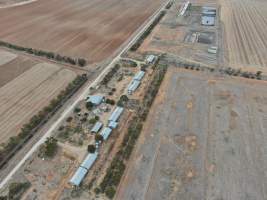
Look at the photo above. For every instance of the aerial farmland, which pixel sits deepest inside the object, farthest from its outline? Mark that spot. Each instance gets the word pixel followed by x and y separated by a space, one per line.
pixel 88 29
pixel 133 100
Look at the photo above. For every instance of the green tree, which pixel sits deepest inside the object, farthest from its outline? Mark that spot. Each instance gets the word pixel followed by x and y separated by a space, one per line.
pixel 98 138
pixel 91 148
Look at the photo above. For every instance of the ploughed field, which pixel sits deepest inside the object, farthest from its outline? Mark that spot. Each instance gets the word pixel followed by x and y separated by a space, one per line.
pixel 245 29
pixel 92 29
pixel 205 138
pixel 26 86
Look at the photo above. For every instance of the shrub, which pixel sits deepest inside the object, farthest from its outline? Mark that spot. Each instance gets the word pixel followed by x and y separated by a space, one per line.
pixel 89 105
pixel 110 101
pixel 50 147
pixel 110 192
pixel 98 138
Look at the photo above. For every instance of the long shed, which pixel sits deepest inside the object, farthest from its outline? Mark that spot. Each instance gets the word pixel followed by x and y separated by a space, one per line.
pixel 89 160
pixel 116 114
pixel 78 176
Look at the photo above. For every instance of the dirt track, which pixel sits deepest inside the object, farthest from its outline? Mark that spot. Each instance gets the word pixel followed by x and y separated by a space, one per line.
pixel 24 96
pixel 91 29
pixel 245 24
pixel 205 138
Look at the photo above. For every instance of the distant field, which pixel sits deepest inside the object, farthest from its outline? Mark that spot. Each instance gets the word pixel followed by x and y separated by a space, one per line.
pixel 245 28
pixel 205 138
pixel 92 29
pixel 26 86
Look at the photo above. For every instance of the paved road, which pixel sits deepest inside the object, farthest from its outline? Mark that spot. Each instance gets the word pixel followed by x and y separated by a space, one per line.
pixel 83 94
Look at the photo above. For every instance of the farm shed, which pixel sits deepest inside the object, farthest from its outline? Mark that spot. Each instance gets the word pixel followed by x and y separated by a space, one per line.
pixel 97 127
pixel 89 160
pixel 116 114
pixel 139 76
pixel 106 132
pixel 112 124
pixel 133 86
pixel 95 99
pixel 78 176
pixel 150 59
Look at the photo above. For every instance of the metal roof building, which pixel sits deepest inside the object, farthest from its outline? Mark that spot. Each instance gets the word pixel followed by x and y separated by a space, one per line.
pixel 97 127
pixel 139 76
pixel 116 114
pixel 106 132
pixel 150 59
pixel 89 160
pixel 112 124
pixel 95 99
pixel 133 86
pixel 78 176
pixel 208 21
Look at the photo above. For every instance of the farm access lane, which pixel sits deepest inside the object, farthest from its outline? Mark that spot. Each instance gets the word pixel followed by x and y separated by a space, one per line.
pixel 11 170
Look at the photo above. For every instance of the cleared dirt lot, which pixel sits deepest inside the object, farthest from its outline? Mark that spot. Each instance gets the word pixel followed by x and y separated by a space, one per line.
pixel 28 93
pixel 205 138
pixel 245 29
pixel 91 29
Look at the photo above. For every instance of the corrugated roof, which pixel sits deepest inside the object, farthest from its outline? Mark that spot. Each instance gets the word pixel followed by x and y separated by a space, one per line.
pixel 133 86
pixel 116 114
pixel 112 124
pixel 150 58
pixel 139 76
pixel 97 127
pixel 78 176
pixel 89 160
pixel 106 132
pixel 95 99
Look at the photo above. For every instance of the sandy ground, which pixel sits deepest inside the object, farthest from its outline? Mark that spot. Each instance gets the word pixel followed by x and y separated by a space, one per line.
pixel 6 57
pixel 90 29
pixel 24 96
pixel 245 29
pixel 204 139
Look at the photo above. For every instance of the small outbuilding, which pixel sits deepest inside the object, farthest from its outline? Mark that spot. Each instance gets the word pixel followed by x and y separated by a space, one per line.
pixel 95 99
pixel 97 127
pixel 150 59
pixel 208 21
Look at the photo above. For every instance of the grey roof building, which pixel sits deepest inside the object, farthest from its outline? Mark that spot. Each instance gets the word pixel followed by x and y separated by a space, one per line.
pixel 106 132
pixel 78 176
pixel 89 160
pixel 95 99
pixel 116 114
pixel 96 127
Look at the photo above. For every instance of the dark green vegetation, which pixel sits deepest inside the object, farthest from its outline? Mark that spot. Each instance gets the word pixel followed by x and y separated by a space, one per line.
pixel 49 55
pixel 49 149
pixel 118 164
pixel 15 191
pixel 110 74
pixel 37 121
pixel 91 148
pixel 147 32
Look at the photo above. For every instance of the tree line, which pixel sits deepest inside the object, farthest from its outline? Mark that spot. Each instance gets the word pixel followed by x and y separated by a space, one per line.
pixel 49 55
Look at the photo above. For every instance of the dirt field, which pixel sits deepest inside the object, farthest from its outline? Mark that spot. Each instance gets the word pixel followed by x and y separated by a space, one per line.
pixel 245 29
pixel 29 92
pixel 204 139
pixel 90 29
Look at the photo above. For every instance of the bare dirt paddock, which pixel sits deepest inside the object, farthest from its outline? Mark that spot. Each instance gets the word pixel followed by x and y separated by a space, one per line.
pixel 26 86
pixel 205 138
pixel 92 29
pixel 245 29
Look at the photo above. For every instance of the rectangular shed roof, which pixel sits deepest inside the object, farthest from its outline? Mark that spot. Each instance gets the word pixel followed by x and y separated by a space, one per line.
pixel 106 132
pixel 139 76
pixel 78 176
pixel 89 160
pixel 133 86
pixel 97 127
pixel 116 114
pixel 112 124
